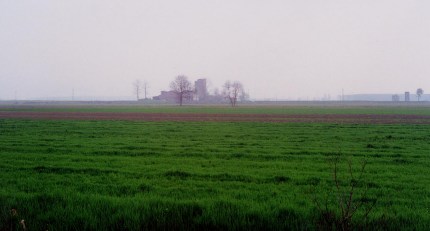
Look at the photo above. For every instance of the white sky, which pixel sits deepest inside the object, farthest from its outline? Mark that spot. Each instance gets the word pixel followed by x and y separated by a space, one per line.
pixel 277 49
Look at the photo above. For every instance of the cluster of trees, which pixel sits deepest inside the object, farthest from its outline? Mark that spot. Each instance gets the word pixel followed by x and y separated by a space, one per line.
pixel 184 90
pixel 138 87
pixel 232 91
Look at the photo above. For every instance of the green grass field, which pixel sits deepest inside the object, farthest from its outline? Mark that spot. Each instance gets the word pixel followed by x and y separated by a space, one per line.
pixel 125 175
pixel 243 109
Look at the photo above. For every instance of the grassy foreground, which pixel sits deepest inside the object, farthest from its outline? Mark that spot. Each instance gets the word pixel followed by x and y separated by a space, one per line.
pixel 110 175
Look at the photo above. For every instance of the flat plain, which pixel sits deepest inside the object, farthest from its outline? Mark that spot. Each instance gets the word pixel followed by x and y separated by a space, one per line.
pixel 212 168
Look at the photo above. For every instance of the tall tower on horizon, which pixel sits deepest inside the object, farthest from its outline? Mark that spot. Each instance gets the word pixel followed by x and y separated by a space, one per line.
pixel 201 89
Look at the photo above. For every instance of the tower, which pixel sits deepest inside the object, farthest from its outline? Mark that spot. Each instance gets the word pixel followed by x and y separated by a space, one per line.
pixel 201 90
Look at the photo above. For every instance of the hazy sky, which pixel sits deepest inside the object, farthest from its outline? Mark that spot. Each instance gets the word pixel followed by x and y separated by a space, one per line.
pixel 277 49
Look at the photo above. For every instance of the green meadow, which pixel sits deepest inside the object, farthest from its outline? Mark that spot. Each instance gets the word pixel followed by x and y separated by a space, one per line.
pixel 136 175
pixel 335 108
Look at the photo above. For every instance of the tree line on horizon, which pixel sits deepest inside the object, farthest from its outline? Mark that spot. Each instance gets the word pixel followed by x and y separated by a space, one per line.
pixel 232 91
pixel 184 91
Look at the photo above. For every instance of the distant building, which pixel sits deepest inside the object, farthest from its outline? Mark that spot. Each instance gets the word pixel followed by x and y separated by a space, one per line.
pixel 395 98
pixel 407 96
pixel 199 95
pixel 168 96
pixel 368 97
pixel 384 97
pixel 201 90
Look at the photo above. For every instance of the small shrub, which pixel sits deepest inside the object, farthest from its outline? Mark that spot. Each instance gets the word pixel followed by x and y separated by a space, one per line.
pixel 370 146
pixel 281 179
pixel 13 221
pixel 348 200
pixel 178 174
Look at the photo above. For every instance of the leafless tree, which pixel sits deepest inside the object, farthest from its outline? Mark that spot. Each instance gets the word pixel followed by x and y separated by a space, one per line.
pixel 349 198
pixel 244 96
pixel 137 88
pixel 145 88
pixel 216 92
pixel 419 93
pixel 233 91
pixel 182 88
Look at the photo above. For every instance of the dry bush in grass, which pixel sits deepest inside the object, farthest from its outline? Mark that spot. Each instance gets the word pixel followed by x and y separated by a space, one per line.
pixel 337 213
pixel 13 222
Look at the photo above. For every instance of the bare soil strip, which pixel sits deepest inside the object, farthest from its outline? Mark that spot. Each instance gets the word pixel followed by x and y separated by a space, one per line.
pixel 316 118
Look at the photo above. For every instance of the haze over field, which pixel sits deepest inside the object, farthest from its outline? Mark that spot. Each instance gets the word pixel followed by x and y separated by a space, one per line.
pixel 277 49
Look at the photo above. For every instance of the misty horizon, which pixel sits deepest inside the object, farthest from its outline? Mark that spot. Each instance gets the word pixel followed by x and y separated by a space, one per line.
pixel 279 50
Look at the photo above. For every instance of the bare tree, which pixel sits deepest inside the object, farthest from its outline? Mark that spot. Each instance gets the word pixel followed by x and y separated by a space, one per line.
pixel 145 88
pixel 182 88
pixel 420 92
pixel 233 91
pixel 244 96
pixel 137 88
pixel 349 199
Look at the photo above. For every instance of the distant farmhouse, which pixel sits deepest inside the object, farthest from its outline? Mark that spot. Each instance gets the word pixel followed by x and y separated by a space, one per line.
pixel 168 96
pixel 200 95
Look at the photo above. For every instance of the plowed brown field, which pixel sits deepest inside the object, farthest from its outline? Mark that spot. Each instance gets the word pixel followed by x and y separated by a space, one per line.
pixel 317 118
